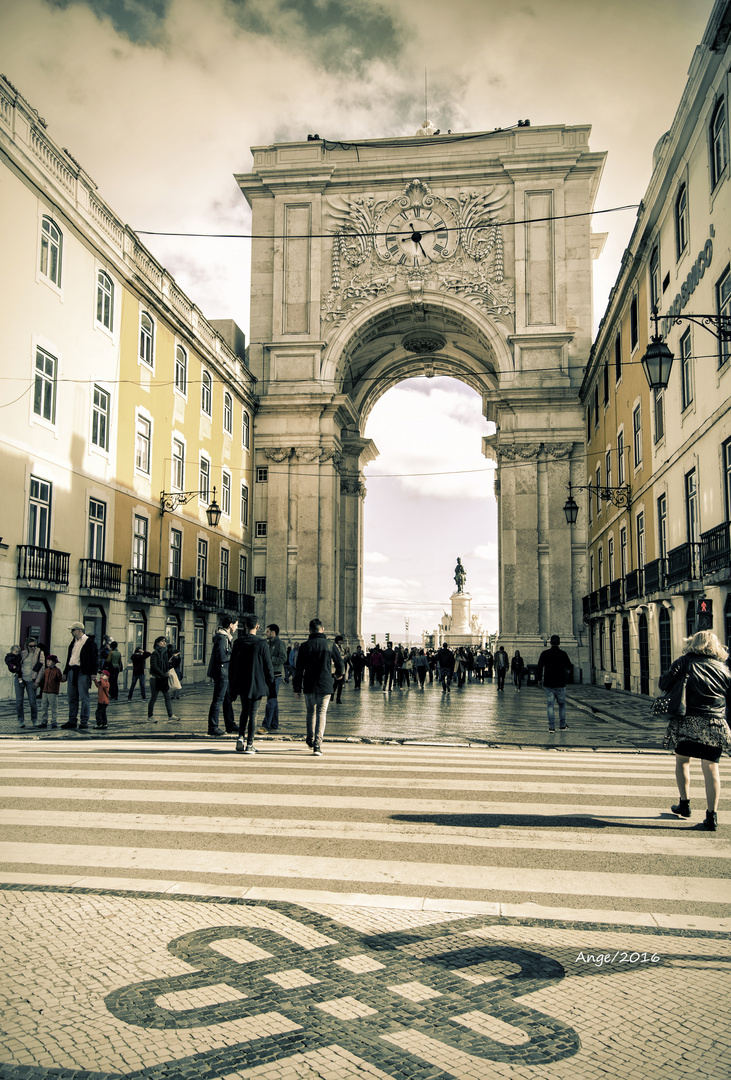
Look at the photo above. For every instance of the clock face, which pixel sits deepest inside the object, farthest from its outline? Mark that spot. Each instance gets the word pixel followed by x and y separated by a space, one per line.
pixel 415 236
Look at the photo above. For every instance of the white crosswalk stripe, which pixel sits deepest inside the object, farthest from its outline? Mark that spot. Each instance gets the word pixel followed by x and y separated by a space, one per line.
pixel 581 830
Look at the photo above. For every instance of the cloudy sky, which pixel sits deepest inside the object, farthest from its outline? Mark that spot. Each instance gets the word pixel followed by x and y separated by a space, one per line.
pixel 160 101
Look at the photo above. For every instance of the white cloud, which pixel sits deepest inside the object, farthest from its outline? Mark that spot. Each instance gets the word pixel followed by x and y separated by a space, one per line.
pixel 488 552
pixel 375 557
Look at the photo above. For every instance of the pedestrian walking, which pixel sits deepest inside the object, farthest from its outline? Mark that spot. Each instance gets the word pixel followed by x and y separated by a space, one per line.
pixel 52 679
pixel 114 667
pixel 489 664
pixel 375 665
pixel 278 656
pixel 421 668
pixel 82 664
pixel 517 670
pixel 175 672
pixel 501 667
pixel 103 684
pixel 389 667
pixel 30 676
pixel 554 666
pixel 700 692
pixel 251 676
pixel 445 660
pixel 339 680
pixel 159 682
pixel 358 661
pixel 137 660
pixel 480 665
pixel 317 661
pixel 218 671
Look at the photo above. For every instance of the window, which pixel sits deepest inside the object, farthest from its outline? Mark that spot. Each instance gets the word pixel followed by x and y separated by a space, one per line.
pixel 588 424
pixel 204 479
pixel 623 551
pixel 261 528
pixel 147 340
pixel 608 467
pixel 602 647
pixel 610 549
pixel 681 221
pixel 662 526
pixel 201 567
pixel 612 644
pixel 51 251
pixel 100 418
pixel 726 465
pixel 260 584
pixel 139 543
pixel 658 408
pixel 181 370
pixel 718 143
pixel 206 394
pixel 105 300
pixel 243 566
pixel 690 619
pixel 640 524
pixel 44 400
pixel 245 430
pixel 598 490
pixel 691 507
pixel 592 583
pixel 666 643
pixel 199 641
pixel 620 458
pixel 224 568
pixel 637 434
pixel 228 413
pixel 39 513
pixel 617 358
pixel 262 475
pixel 596 404
pixel 723 306
pixel 245 505
pixel 178 469
pixel 655 278
pixel 176 552
pixel 226 493
pixel 634 328
pixel 97 529
pixel 600 564
pixel 590 504
pixel 686 371
pixel 606 383
pixel 143 445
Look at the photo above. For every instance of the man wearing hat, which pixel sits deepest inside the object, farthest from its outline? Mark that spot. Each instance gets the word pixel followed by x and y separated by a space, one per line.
pixel 82 662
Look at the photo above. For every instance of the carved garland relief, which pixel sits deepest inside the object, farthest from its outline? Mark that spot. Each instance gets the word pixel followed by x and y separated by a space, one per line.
pixel 418 240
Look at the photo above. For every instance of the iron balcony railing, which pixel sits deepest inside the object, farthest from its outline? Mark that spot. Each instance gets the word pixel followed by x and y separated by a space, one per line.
pixel 655 576
pixel 143 585
pixel 633 585
pixel 103 576
pixel 594 601
pixel 683 564
pixel 43 564
pixel 179 590
pixel 716 548
pixel 228 600
pixel 247 604
pixel 210 596
pixel 615 592
pixel 586 605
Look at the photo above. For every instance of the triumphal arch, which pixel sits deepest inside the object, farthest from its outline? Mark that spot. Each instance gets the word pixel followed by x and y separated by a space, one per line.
pixel 462 255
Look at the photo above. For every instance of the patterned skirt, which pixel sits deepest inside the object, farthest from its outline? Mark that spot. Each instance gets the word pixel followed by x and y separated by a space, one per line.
pixel 698 736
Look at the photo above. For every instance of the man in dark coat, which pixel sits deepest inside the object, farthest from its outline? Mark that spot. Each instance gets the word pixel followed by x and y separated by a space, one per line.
pixel 317 661
pixel 218 668
pixel 554 666
pixel 251 676
pixel 81 666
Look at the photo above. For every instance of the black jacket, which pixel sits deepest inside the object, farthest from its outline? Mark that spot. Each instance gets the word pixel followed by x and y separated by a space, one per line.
pixel 250 672
pixel 553 667
pixel 315 660
pixel 89 659
pixel 220 655
pixel 708 689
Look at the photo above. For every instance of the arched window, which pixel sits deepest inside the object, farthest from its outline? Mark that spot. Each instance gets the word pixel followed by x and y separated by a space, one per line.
pixel 681 221
pixel 245 430
pixel 666 641
pixel 181 370
pixel 51 251
pixel 206 393
pixel 718 142
pixel 228 414
pixel 105 300
pixel 147 340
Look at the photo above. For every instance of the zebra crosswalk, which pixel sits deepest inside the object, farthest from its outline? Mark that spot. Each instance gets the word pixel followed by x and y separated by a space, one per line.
pixel 514 831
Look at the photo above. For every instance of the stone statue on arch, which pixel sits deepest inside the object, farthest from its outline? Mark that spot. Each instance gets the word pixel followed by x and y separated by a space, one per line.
pixel 460 576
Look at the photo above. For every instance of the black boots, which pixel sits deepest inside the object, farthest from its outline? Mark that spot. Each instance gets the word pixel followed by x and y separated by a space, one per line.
pixel 711 822
pixel 682 809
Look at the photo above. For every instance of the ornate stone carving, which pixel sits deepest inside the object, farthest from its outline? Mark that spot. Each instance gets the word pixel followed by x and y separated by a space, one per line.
pixel 423 343
pixel 331 454
pixel 352 485
pixel 519 452
pixel 277 453
pixel 306 454
pixel 557 451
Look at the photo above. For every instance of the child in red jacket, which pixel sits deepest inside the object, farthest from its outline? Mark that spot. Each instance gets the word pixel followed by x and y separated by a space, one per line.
pixel 102 699
pixel 52 679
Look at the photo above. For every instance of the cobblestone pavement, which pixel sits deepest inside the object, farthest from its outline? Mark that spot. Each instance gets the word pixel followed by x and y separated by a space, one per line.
pixel 476 713
pixel 143 985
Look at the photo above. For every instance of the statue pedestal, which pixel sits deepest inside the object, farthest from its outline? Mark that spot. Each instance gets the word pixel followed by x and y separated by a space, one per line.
pixel 461 632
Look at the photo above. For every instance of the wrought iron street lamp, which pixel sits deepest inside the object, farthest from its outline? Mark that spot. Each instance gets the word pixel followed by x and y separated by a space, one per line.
pixel 658 360
pixel 617 496
pixel 171 500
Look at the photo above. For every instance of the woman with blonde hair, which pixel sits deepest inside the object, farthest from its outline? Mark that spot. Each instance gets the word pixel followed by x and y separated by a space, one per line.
pixel 700 685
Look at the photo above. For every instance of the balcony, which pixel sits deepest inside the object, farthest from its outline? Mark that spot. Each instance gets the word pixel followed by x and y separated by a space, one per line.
pixel 586 605
pixel 179 590
pixel 683 564
pixel 142 585
pixel 228 600
pixel 43 564
pixel 655 576
pixel 247 604
pixel 101 576
pixel 594 602
pixel 615 592
pixel 209 598
pixel 633 585
pixel 716 549
pixel 603 597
